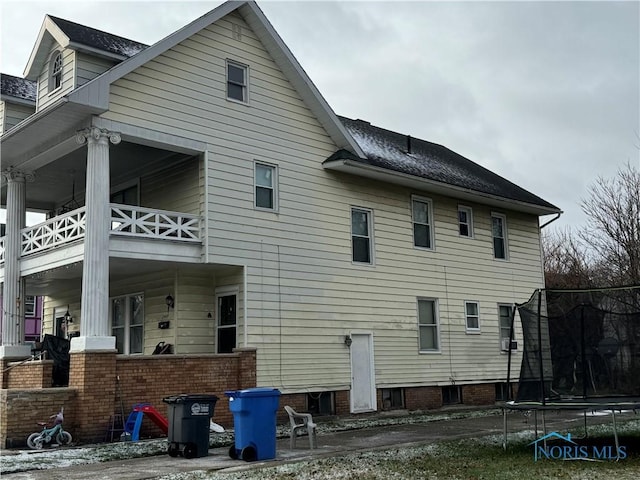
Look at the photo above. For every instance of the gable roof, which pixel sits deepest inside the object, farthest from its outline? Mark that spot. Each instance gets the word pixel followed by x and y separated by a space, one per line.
pixel 98 88
pixel 72 35
pixel 18 90
pixel 80 35
pixel 388 151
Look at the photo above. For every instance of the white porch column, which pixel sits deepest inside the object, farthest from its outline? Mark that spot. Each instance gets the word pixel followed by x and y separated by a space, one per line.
pixel 13 294
pixel 94 326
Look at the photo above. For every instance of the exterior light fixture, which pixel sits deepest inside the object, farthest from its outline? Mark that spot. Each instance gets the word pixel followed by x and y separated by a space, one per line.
pixel 347 340
pixel 169 301
pixel 67 316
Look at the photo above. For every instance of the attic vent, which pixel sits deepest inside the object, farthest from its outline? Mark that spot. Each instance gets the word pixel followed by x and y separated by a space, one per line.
pixel 236 31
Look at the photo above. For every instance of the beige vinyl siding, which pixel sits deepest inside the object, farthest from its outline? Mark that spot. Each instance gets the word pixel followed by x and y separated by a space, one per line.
pixel 173 188
pixel 14 114
pixel 303 292
pixel 194 300
pixel 89 67
pixel 46 97
pixel 61 300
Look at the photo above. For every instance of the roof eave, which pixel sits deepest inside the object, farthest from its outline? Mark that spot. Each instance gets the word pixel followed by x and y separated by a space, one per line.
pixel 80 47
pixel 370 171
pixel 18 100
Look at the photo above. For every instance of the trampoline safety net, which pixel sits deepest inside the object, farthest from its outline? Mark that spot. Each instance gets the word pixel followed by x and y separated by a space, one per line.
pixel 580 344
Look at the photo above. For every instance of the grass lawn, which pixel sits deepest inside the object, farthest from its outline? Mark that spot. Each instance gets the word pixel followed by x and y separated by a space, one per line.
pixel 482 458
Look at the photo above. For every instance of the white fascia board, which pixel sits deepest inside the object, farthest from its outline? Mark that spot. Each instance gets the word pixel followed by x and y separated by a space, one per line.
pixel 411 181
pixel 285 59
pixel 49 33
pixel 96 52
pixel 19 101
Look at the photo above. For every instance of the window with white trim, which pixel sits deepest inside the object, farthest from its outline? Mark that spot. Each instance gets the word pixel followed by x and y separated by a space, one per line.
pixel 237 81
pixel 472 317
pixel 29 306
pixel 127 323
pixel 465 221
pixel 504 318
pixel 499 235
pixel 361 236
pixel 265 185
pixel 55 71
pixel 428 329
pixel 421 215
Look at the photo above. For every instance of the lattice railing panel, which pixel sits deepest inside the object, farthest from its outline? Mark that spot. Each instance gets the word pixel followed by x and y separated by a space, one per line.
pixel 62 229
pixel 147 222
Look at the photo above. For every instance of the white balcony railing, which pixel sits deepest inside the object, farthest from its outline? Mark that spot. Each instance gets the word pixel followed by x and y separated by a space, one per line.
pixel 59 230
pixel 126 220
pixel 148 222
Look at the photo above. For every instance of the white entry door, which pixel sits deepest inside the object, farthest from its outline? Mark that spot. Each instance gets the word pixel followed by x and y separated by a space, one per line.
pixel 363 383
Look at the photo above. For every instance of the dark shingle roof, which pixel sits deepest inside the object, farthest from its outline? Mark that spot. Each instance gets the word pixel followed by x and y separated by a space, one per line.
pixel 389 150
pixel 18 87
pixel 98 39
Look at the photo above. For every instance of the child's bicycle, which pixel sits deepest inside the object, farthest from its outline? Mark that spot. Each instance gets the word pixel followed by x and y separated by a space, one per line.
pixel 49 433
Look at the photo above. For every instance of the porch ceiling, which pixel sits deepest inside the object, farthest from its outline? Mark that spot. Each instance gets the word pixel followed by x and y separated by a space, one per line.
pixel 54 181
pixel 69 277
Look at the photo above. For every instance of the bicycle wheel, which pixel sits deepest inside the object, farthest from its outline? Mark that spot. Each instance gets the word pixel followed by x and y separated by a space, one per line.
pixel 35 441
pixel 63 438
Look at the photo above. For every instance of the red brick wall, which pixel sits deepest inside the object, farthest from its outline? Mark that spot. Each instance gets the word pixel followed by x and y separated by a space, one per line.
pixel 422 398
pixel 35 374
pixel 149 379
pixel 21 409
pixel 481 394
pixel 92 375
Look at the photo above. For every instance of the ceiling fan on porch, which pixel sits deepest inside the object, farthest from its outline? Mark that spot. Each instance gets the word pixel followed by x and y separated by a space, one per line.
pixel 71 204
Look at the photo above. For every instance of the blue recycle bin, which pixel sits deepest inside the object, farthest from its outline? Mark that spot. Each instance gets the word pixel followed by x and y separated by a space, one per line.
pixel 254 421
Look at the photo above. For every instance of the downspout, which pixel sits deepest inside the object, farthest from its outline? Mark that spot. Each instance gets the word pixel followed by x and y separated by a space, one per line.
pixel 244 306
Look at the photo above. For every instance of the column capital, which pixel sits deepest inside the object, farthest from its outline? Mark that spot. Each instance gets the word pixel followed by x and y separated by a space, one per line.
pixel 96 134
pixel 14 175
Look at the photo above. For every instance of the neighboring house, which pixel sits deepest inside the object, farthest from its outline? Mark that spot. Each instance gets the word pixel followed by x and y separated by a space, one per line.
pixel 32 311
pixel 215 201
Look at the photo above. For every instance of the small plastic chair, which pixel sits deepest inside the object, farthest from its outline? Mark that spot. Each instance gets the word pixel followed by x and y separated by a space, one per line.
pixel 307 424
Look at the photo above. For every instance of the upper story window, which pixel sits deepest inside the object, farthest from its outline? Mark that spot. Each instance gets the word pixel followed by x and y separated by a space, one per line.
pixel 29 306
pixel 55 71
pixel 237 81
pixel 421 212
pixel 472 315
pixel 361 236
pixel 499 234
pixel 428 335
pixel 465 221
pixel 265 185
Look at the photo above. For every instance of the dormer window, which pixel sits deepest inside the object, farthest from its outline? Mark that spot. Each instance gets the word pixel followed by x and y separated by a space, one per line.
pixel 55 77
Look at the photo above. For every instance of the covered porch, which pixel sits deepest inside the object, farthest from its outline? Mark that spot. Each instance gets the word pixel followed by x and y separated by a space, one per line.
pixel 112 199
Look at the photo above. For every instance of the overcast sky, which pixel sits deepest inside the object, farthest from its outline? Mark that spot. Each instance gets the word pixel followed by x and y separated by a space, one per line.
pixel 545 94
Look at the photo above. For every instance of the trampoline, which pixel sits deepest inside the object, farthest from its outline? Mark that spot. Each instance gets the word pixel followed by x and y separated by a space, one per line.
pixel 581 351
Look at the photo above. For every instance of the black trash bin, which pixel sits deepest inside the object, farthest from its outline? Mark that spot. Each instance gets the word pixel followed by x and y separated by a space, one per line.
pixel 189 421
